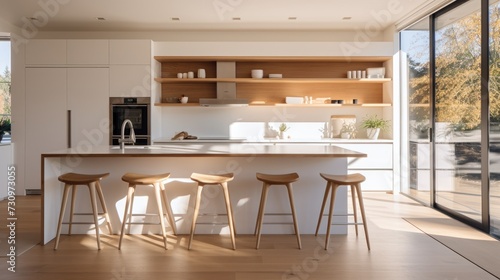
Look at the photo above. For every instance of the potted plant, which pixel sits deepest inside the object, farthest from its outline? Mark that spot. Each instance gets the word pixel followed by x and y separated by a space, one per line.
pixel 283 129
pixel 348 130
pixel 4 127
pixel 374 125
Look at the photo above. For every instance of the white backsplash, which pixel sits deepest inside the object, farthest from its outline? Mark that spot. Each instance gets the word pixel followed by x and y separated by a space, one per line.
pixel 255 123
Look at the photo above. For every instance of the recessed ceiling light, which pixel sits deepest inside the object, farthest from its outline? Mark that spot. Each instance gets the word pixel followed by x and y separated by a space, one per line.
pixel 236 18
pixel 346 18
pixel 175 19
pixel 292 18
pixel 100 18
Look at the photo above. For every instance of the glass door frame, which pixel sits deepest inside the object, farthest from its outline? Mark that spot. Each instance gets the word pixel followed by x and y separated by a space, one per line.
pixel 484 225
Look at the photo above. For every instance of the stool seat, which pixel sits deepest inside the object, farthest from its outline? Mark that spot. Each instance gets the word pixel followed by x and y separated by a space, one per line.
pixel 267 181
pixel 209 179
pixel 80 179
pixel 276 179
pixel 156 181
pixel 344 179
pixel 333 183
pixel 144 179
pixel 92 181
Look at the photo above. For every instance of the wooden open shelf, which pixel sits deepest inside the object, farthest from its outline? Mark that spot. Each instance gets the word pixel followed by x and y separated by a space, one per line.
pixel 283 104
pixel 272 80
pixel 318 77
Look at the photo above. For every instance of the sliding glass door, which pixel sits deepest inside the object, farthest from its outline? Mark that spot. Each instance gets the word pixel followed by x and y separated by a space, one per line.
pixel 457 111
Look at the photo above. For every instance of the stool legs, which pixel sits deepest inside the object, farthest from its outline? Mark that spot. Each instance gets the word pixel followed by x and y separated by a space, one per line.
pixel 355 189
pixel 72 207
pixel 160 199
pixel 229 210
pixel 363 216
pixel 61 214
pixel 260 215
pixel 103 205
pixel 230 217
pixel 170 214
pixel 325 198
pixel 128 213
pixel 292 206
pixel 160 212
pixel 195 214
pixel 95 213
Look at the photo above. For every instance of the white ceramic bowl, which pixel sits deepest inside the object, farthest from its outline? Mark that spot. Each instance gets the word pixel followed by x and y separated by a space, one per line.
pixel 257 73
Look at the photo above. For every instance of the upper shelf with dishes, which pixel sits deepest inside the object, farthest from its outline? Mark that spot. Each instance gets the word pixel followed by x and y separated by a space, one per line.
pixel 318 78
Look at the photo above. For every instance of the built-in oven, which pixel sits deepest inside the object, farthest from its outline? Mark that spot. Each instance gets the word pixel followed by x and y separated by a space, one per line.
pixel 137 110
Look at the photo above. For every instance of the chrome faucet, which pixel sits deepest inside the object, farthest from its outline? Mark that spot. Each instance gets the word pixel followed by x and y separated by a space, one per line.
pixel 131 138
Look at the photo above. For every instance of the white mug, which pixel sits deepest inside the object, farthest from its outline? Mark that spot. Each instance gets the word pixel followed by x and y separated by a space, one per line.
pixel 190 75
pixel 201 73
pixel 257 73
pixel 184 99
pixel 179 75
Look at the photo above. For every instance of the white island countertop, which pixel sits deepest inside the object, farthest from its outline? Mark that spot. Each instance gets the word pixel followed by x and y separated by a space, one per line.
pixel 211 150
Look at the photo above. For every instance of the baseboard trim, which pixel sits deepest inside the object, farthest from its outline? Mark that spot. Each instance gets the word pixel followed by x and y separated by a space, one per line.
pixel 33 191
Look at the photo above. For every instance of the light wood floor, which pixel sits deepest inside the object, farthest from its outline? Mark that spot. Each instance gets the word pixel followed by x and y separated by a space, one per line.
pixel 400 250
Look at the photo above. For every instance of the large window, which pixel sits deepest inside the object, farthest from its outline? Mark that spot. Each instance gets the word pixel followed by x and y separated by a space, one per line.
pixel 416 79
pixel 5 82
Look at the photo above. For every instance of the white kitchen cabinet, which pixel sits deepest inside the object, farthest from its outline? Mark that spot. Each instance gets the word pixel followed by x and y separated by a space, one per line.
pixel 64 107
pixel 88 104
pixel 377 167
pixel 130 52
pixel 130 80
pixel 46 118
pixel 85 52
pixel 46 52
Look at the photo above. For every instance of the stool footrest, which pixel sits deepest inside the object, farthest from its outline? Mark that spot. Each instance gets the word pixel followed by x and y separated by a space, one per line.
pixel 79 223
pixel 277 223
pixel 277 214
pixel 210 214
pixel 216 223
pixel 348 224
pixel 88 214
pixel 339 215
pixel 143 223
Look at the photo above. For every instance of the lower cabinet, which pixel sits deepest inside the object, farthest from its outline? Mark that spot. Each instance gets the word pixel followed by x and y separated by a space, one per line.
pixel 377 167
pixel 65 107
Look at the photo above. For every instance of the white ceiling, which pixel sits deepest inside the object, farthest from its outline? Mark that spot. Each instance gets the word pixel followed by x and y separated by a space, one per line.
pixel 156 15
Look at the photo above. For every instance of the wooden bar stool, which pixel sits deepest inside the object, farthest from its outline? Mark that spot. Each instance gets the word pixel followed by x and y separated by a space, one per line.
pixel 269 180
pixel 205 179
pixel 156 181
pixel 92 181
pixel 333 183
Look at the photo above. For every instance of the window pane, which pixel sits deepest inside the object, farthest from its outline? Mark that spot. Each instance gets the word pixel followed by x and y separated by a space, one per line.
pixel 416 84
pixel 458 110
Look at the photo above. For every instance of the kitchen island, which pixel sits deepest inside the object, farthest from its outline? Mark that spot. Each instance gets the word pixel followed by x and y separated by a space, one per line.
pixel 242 159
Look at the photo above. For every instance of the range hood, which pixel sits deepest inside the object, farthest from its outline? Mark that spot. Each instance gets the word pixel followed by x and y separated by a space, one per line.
pixel 226 92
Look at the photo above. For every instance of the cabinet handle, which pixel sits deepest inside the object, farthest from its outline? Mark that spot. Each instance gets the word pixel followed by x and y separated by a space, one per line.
pixel 430 135
pixel 69 129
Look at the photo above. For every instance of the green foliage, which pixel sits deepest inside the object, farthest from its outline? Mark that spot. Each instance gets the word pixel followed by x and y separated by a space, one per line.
pixel 283 127
pixel 375 122
pixel 4 125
